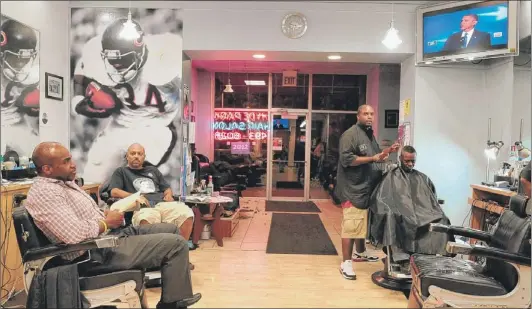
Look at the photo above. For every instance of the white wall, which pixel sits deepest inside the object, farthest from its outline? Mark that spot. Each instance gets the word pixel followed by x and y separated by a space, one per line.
pixel 452 105
pixel 51 18
pixel 332 27
pixel 389 87
pixel 256 25
pixel 499 91
pixel 521 108
pixel 525 12
pixel 449 133
pixel 407 88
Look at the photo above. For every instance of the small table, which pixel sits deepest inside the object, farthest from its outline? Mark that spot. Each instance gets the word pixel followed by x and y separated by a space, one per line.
pixel 211 211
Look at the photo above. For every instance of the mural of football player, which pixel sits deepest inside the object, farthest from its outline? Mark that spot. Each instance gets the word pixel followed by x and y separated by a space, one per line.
pixel 19 87
pixel 133 81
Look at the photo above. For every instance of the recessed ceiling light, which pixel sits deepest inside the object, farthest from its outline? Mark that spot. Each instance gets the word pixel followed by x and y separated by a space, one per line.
pixel 255 83
pixel 334 57
pixel 259 56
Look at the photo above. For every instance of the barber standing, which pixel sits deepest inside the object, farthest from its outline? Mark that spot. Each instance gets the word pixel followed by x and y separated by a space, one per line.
pixel 360 168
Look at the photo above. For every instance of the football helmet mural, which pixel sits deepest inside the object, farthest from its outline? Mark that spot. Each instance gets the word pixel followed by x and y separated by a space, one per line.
pixel 18 50
pixel 123 57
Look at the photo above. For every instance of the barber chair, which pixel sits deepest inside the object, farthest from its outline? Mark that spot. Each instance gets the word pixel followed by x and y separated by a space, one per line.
pixel 503 282
pixel 152 276
pixel 120 289
pixel 394 276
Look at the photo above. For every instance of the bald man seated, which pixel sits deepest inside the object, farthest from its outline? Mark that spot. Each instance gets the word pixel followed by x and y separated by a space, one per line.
pixel 156 193
pixel 66 214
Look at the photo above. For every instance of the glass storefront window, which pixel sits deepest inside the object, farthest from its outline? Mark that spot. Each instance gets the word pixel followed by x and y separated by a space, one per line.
pixel 290 97
pixel 240 134
pixel 250 90
pixel 327 128
pixel 338 92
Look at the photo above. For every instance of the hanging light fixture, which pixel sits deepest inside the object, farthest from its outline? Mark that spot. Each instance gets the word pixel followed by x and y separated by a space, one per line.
pixel 492 149
pixel 522 151
pixel 228 86
pixel 129 31
pixel 392 39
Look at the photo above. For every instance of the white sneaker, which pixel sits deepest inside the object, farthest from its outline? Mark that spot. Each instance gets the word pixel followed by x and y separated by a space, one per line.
pixel 346 269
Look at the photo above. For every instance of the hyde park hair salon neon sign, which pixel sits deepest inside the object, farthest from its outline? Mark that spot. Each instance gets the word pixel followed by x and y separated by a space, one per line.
pixel 235 125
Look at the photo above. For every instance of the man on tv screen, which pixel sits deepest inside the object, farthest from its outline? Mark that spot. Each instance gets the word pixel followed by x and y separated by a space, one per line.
pixel 468 37
pixel 278 125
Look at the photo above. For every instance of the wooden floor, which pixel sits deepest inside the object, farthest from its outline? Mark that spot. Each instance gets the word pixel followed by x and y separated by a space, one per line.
pixel 241 274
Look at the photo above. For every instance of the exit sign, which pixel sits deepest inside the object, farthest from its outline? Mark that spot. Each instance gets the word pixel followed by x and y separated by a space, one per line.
pixel 289 78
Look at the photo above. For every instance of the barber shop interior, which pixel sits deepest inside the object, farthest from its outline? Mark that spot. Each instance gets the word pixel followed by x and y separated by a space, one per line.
pixel 237 154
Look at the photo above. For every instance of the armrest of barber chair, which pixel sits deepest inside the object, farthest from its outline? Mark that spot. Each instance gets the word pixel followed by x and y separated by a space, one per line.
pixel 460 231
pixel 233 187
pixel 59 249
pixel 241 179
pixel 488 252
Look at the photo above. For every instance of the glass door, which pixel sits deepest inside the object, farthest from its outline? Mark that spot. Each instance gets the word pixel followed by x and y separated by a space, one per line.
pixel 288 167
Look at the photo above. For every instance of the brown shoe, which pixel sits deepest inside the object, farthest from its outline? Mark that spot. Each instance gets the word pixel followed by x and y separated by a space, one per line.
pixel 191 266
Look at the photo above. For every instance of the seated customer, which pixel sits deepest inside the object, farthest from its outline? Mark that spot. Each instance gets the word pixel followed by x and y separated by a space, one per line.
pixel 156 193
pixel 66 214
pixel 402 207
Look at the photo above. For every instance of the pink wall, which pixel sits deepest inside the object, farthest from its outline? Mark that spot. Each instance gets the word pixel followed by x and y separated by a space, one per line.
pixel 204 114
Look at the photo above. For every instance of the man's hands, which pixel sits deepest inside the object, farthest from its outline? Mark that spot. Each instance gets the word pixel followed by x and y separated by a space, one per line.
pixel 168 198
pixel 142 202
pixel 113 219
pixel 383 156
pixel 380 157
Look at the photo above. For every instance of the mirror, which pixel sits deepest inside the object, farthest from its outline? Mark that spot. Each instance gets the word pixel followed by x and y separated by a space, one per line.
pixel 19 88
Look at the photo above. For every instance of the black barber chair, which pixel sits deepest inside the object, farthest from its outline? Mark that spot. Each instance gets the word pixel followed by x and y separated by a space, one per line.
pixel 503 282
pixel 152 276
pixel 122 288
pixel 394 276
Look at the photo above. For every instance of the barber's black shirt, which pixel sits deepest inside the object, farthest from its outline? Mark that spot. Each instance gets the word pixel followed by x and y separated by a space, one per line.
pixel 149 179
pixel 356 183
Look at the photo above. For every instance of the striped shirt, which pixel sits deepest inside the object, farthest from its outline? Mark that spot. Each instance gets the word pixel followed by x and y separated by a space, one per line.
pixel 63 212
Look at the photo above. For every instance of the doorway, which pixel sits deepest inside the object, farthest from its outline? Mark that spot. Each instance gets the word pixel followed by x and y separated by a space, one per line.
pixel 288 175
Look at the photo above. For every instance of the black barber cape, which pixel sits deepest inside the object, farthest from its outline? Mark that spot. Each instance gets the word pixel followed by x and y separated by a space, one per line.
pixel 56 287
pixel 402 207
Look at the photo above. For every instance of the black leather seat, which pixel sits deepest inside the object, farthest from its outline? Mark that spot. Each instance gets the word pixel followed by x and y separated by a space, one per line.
pixel 509 244
pixel 454 275
pixel 39 254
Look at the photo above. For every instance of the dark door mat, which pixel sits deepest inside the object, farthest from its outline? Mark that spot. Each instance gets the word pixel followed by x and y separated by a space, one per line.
pixel 281 206
pixel 299 234
pixel 288 185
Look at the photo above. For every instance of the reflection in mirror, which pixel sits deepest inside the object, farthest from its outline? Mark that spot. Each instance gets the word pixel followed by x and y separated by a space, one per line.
pixel 19 91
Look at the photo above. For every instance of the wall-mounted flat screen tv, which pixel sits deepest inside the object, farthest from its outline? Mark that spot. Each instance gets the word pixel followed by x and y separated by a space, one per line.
pixel 467 30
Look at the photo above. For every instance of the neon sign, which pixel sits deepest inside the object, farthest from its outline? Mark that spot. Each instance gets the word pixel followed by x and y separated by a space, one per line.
pixel 240 116
pixel 236 125
pixel 242 148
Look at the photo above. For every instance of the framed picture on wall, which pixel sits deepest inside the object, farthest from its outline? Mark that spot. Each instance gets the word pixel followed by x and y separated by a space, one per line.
pixel 391 118
pixel 54 86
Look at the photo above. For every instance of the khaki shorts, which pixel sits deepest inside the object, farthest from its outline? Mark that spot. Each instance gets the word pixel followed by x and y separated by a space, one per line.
pixel 164 212
pixel 355 223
